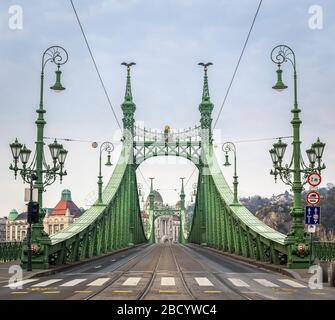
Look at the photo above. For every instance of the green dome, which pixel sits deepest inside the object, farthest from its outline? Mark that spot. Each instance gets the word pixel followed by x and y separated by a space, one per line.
pixel 66 195
pixel 13 215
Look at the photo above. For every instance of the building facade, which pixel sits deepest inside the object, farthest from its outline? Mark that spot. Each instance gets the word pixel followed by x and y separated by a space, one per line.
pixel 16 226
pixel 63 214
pixel 3 222
pixel 56 219
pixel 166 227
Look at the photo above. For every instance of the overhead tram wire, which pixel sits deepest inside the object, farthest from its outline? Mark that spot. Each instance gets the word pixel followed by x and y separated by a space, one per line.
pixel 262 139
pixel 146 182
pixel 95 64
pixel 189 178
pixel 238 62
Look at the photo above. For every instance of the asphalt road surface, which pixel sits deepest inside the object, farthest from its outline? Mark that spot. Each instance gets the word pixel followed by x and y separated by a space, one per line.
pixel 164 272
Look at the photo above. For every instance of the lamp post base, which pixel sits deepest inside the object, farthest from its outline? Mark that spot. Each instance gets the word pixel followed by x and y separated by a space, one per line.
pixel 298 255
pixel 40 249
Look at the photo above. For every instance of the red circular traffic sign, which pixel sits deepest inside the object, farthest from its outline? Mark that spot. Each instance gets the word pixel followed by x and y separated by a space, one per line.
pixel 33 248
pixel 301 247
pixel 314 179
pixel 313 198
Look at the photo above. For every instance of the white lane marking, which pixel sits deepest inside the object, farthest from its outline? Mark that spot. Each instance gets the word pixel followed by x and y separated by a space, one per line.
pixel 15 285
pixel 238 282
pixel 131 281
pixel 72 282
pixel 98 282
pixel 292 283
pixel 46 283
pixel 266 283
pixel 167 281
pixel 204 282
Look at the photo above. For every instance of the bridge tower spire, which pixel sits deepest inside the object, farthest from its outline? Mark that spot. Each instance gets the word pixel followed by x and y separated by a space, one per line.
pixel 182 195
pixel 206 107
pixel 151 195
pixel 128 106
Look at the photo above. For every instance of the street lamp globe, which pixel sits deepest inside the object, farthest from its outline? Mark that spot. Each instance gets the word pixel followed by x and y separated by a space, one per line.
pixel 311 156
pixel 25 154
pixel 62 156
pixel 227 163
pixel 279 86
pixel 273 155
pixel 57 87
pixel 280 148
pixel 55 148
pixel 108 163
pixel 16 149
pixel 318 147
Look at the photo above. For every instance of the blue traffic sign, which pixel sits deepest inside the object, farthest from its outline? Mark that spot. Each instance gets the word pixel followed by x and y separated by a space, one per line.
pixel 313 215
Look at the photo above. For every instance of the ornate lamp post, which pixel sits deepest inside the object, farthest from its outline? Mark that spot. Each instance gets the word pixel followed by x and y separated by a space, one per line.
pixel 230 147
pixel 109 148
pixel 191 195
pixel 38 171
pixel 291 174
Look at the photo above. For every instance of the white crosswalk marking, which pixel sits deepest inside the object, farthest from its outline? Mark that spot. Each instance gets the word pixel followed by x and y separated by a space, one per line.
pixel 266 283
pixel 168 281
pixel 98 282
pixel 131 281
pixel 72 283
pixel 238 282
pixel 292 283
pixel 204 282
pixel 46 283
pixel 18 284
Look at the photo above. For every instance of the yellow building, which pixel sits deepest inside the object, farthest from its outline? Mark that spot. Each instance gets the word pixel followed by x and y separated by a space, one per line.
pixel 56 219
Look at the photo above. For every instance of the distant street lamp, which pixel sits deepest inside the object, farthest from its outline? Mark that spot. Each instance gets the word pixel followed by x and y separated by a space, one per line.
pixel 230 147
pixel 296 238
pixel 38 171
pixel 109 148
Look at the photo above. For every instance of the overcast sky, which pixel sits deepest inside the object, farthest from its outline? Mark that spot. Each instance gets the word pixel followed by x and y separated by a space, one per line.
pixel 166 39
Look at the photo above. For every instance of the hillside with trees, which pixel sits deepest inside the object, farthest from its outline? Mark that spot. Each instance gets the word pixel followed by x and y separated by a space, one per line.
pixel 275 211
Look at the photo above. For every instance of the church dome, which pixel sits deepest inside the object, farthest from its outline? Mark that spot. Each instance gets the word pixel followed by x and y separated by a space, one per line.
pixel 66 195
pixel 13 215
pixel 157 199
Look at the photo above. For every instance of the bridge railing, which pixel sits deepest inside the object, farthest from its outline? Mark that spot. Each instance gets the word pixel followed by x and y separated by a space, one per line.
pixel 324 250
pixel 10 251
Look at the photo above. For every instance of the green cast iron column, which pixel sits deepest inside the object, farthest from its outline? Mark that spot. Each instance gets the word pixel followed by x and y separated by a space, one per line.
pixel 297 235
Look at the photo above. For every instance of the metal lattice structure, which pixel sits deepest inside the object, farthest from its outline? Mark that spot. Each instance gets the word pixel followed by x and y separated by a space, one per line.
pixel 116 223
pixel 153 143
pixel 10 251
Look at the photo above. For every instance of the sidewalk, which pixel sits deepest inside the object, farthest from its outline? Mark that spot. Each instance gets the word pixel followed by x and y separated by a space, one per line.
pixel 298 274
pixel 5 275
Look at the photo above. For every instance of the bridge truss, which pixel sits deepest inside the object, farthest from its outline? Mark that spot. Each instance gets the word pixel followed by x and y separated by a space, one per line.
pixel 216 222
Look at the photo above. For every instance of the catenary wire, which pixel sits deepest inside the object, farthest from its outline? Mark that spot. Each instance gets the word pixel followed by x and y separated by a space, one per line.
pixel 238 62
pixel 95 64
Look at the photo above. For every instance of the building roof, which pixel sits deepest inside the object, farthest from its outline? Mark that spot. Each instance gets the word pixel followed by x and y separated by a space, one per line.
pixel 65 204
pixel 158 198
pixel 22 216
pixel 13 215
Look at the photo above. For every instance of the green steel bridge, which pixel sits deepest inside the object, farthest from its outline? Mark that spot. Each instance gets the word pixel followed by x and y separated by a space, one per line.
pixel 217 221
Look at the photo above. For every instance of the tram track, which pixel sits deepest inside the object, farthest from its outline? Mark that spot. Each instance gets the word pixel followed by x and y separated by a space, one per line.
pixel 179 273
pixel 215 275
pixel 133 261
